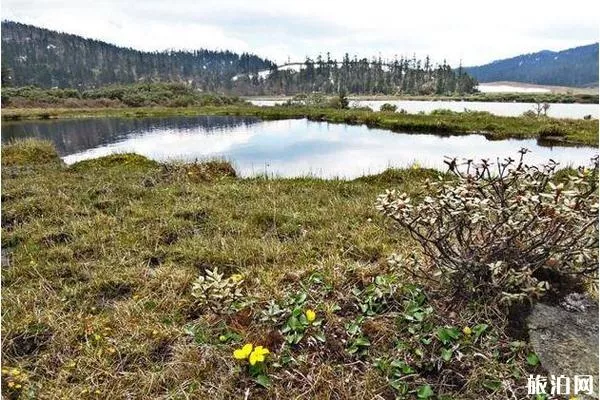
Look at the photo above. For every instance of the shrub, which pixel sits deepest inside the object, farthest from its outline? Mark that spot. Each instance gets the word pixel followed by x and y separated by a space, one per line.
pixel 343 100
pixel 134 99
pixel 443 111
pixel 357 107
pixel 387 107
pixel 529 114
pixel 182 101
pixel 552 131
pixel 500 231
pixel 334 102
pixel 171 94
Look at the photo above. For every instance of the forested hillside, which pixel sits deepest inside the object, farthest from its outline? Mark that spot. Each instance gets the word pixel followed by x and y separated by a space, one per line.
pixel 40 57
pixel 361 76
pixel 572 67
pixel 36 56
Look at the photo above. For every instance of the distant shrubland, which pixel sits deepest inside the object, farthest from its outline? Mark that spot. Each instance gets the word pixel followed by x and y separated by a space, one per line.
pixel 135 95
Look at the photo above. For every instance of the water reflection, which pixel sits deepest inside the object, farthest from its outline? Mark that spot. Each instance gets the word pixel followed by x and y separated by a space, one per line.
pixel 288 148
pixel 73 136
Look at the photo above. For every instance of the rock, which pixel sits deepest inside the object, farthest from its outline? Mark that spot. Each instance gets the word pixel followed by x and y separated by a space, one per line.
pixel 5 257
pixel 565 337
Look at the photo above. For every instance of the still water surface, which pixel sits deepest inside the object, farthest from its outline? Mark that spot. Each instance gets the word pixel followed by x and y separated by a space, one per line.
pixel 288 148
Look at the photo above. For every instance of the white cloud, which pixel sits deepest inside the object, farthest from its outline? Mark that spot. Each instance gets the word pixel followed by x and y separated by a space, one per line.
pixel 472 31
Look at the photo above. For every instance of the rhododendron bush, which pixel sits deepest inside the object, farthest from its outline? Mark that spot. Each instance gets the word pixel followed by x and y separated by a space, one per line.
pixel 498 229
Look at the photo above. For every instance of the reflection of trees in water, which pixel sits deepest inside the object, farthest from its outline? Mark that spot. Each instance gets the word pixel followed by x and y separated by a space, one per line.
pixel 71 136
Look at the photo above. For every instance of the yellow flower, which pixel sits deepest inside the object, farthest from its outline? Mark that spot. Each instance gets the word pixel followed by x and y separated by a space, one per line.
pixel 310 315
pixel 467 331
pixel 244 352
pixel 236 277
pixel 11 384
pixel 18 386
pixel 258 355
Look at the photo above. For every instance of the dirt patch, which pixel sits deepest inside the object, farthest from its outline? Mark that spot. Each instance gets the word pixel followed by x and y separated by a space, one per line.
pixel 113 291
pixel 27 343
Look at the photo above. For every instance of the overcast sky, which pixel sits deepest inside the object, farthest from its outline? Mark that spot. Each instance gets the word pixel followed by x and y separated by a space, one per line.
pixel 475 32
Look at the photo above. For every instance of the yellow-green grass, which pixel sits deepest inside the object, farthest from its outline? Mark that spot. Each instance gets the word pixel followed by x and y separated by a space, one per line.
pixel 570 131
pixel 96 299
pixel 581 98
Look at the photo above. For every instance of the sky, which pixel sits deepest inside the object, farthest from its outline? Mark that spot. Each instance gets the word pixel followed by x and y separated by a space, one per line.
pixel 471 32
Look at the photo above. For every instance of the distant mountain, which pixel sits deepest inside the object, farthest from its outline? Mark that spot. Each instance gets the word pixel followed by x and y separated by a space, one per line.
pixel 572 67
pixel 37 56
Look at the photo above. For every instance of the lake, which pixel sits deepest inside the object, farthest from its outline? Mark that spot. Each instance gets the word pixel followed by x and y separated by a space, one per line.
pixel 557 110
pixel 287 148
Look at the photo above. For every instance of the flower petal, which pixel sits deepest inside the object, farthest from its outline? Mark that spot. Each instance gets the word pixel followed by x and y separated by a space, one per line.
pixel 310 315
pixel 253 358
pixel 244 352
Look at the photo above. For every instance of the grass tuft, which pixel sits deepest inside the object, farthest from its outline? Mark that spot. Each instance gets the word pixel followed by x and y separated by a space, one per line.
pixel 29 151
pixel 119 161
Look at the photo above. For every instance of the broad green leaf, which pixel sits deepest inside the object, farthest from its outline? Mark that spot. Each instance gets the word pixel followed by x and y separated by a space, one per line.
pixel 399 386
pixel 263 380
pixel 446 354
pixel 532 359
pixel 424 392
pixel 320 336
pixel 492 384
pixel 479 329
pixel 447 335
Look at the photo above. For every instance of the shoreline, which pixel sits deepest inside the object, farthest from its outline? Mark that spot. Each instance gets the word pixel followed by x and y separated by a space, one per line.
pixel 551 98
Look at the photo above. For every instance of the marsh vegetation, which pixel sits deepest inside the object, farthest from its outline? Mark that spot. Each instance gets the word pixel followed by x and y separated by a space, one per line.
pixel 112 266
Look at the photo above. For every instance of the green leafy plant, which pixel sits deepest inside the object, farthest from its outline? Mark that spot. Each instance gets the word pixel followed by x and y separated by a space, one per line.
pixel 394 371
pixel 217 293
pixel 378 296
pixel 358 343
pixel 295 319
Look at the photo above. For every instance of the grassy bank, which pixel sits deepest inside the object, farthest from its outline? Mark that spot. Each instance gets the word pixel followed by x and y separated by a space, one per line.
pixel 102 256
pixel 579 98
pixel 556 131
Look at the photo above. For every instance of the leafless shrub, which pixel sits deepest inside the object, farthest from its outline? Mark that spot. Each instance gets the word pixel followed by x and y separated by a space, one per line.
pixel 496 227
